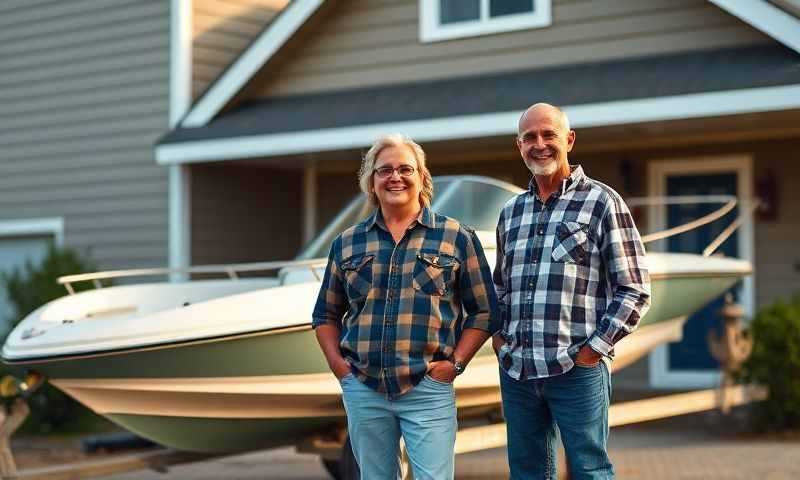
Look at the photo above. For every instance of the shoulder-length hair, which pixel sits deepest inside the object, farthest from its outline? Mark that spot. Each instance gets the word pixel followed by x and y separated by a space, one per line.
pixel 368 167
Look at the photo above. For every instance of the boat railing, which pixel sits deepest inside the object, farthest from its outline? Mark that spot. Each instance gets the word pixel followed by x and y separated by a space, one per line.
pixel 728 202
pixel 231 270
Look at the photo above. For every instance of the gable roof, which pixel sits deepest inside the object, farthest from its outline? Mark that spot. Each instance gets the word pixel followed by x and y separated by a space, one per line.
pixel 773 21
pixel 246 65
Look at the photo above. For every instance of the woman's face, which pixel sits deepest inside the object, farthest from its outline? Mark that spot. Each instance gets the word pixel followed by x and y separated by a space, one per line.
pixel 399 189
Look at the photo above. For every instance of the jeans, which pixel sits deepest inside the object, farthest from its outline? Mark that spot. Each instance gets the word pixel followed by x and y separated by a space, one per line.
pixel 577 402
pixel 425 417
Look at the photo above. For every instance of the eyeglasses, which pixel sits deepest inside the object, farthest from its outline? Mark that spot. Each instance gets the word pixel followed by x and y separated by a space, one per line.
pixel 403 170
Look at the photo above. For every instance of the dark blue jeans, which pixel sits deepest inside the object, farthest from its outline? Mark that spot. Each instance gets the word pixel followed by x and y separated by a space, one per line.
pixel 577 402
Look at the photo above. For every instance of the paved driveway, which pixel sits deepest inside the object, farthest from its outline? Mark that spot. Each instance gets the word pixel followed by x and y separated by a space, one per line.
pixel 692 447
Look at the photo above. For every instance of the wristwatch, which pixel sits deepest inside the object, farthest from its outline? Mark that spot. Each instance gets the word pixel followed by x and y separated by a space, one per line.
pixel 458 367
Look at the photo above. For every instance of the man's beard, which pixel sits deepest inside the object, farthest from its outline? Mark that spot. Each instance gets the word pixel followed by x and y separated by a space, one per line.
pixel 543 170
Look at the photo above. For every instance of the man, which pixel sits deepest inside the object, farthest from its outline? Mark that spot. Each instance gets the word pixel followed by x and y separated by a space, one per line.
pixel 571 281
pixel 406 301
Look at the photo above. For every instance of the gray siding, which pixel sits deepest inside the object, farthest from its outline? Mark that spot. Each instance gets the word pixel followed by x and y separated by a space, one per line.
pixel 83 97
pixel 222 29
pixel 368 42
pixel 777 256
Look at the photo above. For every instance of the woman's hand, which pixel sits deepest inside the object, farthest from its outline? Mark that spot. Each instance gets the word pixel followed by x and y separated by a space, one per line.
pixel 442 371
pixel 497 342
pixel 341 368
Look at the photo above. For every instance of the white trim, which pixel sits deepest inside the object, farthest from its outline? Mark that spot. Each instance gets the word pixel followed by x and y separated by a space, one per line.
pixel 623 112
pixel 34 226
pixel 180 220
pixel 246 65
pixel 658 171
pixel 180 96
pixel 766 17
pixel 430 29
pixel 180 65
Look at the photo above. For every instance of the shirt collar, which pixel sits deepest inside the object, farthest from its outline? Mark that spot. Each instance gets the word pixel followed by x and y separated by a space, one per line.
pixel 425 218
pixel 569 183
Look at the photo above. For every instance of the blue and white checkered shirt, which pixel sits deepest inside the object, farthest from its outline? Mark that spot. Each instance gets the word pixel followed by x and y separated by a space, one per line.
pixel 569 271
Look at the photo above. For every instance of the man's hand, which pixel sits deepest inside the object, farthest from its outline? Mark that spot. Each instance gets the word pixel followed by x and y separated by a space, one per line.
pixel 497 342
pixel 587 357
pixel 341 368
pixel 442 371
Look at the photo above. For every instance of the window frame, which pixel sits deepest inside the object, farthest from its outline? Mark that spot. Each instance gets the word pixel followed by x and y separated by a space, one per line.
pixel 430 30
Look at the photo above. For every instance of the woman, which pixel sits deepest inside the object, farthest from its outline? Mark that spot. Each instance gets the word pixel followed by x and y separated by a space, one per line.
pixel 406 301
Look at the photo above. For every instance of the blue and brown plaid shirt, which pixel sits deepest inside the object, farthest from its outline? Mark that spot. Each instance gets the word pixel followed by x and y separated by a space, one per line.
pixel 400 306
pixel 569 271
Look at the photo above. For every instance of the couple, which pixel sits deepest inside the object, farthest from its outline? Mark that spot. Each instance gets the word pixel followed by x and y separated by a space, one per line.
pixel 407 299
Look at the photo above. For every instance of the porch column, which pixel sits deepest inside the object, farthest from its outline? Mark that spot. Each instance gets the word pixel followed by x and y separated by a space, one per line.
pixel 309 204
pixel 180 97
pixel 180 234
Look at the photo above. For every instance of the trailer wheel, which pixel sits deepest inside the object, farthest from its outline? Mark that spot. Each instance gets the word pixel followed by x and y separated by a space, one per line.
pixel 333 468
pixel 348 467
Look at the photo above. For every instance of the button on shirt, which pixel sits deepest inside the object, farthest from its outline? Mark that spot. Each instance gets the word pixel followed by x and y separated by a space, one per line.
pixel 569 271
pixel 401 306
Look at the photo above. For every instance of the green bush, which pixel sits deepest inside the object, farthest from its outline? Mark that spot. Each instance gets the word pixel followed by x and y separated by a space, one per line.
pixel 29 288
pixel 775 363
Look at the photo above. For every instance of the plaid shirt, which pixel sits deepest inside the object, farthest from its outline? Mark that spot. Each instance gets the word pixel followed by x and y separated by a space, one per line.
pixel 569 271
pixel 400 306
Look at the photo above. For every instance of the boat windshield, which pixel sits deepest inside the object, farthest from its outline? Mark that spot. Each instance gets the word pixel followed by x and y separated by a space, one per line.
pixel 474 201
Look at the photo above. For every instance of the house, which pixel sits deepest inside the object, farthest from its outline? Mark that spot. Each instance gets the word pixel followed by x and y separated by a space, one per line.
pixel 84 95
pixel 668 98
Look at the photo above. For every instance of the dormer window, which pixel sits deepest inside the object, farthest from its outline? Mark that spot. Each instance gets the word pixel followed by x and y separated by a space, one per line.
pixel 446 19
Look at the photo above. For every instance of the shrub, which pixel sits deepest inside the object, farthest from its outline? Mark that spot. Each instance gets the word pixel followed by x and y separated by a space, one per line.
pixel 28 288
pixel 775 363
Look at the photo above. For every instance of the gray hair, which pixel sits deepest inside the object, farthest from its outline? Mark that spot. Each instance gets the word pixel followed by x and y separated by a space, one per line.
pixel 395 140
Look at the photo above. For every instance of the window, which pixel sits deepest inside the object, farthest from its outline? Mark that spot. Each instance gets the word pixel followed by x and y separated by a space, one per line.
pixel 445 19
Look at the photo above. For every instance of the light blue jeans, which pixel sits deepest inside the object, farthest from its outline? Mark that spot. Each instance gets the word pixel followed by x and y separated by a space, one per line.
pixel 425 417
pixel 577 402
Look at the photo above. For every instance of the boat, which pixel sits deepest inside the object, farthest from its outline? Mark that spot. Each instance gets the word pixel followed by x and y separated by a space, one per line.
pixel 222 365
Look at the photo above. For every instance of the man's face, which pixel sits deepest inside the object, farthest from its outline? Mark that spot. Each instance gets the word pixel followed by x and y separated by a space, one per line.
pixel 543 141
pixel 396 190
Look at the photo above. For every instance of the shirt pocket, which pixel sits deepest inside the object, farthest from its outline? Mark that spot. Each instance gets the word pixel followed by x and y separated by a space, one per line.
pixel 358 276
pixel 434 273
pixel 572 243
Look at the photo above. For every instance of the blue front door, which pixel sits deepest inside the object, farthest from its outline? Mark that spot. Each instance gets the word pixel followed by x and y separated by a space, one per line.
pixel 692 352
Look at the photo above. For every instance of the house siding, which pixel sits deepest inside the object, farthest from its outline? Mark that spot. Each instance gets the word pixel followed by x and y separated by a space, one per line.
pixel 369 43
pixel 222 30
pixel 777 258
pixel 83 98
